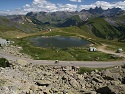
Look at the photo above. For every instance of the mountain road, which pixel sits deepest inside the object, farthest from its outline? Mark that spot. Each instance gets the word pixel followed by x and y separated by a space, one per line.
pixel 93 64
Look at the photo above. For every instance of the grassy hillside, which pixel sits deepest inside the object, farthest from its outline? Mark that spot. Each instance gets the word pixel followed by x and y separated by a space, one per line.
pixel 72 21
pixel 94 29
pixel 73 53
pixel 100 28
pixel 16 27
pixel 6 25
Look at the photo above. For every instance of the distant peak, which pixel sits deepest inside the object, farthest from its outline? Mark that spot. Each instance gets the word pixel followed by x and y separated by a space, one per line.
pixel 101 10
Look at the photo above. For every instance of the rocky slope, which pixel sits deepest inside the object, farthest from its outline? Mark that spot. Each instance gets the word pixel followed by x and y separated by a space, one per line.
pixel 15 51
pixel 24 78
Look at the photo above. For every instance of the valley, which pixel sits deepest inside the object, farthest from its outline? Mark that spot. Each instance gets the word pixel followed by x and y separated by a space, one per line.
pixel 97 26
pixel 62 52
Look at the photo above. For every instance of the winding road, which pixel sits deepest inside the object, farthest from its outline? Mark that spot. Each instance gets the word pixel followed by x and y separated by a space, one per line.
pixel 94 64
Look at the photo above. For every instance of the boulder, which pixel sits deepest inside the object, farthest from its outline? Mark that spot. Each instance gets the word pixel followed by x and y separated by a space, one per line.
pixel 34 88
pixel 43 83
pixel 55 90
pixel 115 83
pixel 70 92
pixel 97 80
pixel 123 80
pixel 107 75
pixel 112 89
pixel 120 89
pixel 105 90
pixel 74 83
pixel 46 92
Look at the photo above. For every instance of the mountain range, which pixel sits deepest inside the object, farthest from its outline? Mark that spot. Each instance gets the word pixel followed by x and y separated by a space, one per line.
pixel 106 24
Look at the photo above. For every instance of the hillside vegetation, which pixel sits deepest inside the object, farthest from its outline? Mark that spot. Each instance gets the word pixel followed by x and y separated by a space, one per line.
pixel 106 27
pixel 95 25
pixel 100 28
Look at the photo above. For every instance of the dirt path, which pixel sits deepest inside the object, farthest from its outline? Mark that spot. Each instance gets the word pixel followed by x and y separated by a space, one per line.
pixel 94 64
pixel 102 48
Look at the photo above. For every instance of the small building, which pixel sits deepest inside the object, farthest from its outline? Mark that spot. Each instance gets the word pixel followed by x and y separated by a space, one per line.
pixel 119 50
pixel 50 29
pixel 4 42
pixel 92 49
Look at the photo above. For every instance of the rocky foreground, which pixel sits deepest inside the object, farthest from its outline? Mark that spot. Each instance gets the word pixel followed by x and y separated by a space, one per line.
pixel 15 51
pixel 24 78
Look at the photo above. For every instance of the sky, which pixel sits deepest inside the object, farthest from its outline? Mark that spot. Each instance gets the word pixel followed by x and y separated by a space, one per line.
pixel 12 7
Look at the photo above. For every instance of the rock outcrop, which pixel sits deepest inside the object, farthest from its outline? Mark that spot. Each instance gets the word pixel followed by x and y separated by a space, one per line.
pixel 37 79
pixel 15 51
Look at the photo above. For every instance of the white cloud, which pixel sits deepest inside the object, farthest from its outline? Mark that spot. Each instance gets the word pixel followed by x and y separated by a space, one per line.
pixel 44 5
pixel 66 7
pixel 17 11
pixel 76 0
pixel 104 5
pixel 41 5
pixel 27 6
pixel 120 5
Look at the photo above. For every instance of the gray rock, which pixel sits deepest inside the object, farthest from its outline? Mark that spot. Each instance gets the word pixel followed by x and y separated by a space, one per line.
pixel 97 80
pixel 22 62
pixel 35 79
pixel 34 88
pixel 115 83
pixel 105 90
pixel 43 83
pixel 74 83
pixel 107 75
pixel 120 89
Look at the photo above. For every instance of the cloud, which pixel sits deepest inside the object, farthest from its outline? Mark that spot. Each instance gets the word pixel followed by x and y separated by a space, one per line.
pixel 66 7
pixel 75 0
pixel 104 5
pixel 43 5
pixel 120 5
pixel 47 6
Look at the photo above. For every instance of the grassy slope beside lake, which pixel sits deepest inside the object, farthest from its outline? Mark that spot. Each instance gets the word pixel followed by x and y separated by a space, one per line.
pixel 80 53
pixel 77 53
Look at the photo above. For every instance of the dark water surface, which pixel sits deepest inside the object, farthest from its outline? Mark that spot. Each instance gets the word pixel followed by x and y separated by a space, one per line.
pixel 59 42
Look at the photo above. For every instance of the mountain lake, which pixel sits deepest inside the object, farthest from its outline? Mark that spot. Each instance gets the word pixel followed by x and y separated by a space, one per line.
pixel 59 42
